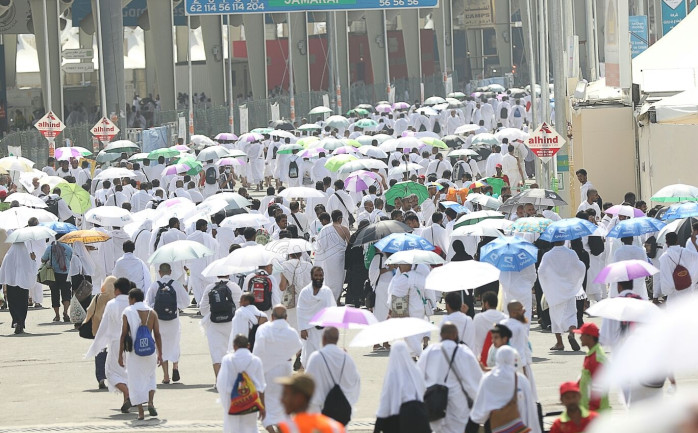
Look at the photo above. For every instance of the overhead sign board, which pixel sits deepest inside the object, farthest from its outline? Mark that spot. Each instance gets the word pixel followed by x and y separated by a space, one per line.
pixel 545 142
pixel 50 125
pixel 78 68
pixel 104 130
pixel 224 7
pixel 78 53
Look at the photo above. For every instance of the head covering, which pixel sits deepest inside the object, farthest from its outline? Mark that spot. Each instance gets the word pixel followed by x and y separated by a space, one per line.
pixel 81 262
pixel 403 381
pixel 302 383
pixel 108 286
pixel 497 386
pixel 588 329
pixel 17 268
pixel 568 387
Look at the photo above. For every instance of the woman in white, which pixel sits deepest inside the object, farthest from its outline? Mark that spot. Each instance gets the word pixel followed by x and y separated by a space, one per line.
pixel 82 267
pixel 295 272
pixel 497 389
pixel 403 382
pixel 140 370
pixel 379 275
pixel 410 283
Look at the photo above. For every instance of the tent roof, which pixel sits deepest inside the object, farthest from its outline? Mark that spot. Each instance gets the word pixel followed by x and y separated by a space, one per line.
pixel 671 63
pixel 681 108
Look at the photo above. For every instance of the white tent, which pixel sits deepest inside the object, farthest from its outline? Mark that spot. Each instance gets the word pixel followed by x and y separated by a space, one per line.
pixel 681 108
pixel 671 63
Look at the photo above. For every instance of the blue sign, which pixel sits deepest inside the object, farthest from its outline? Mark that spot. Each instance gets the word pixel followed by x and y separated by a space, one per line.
pixel 639 34
pixel 673 11
pixel 224 7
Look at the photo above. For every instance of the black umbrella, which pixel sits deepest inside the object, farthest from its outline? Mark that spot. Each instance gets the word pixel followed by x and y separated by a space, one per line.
pixel 482 153
pixel 377 231
pixel 282 124
pixel 537 196
pixel 453 141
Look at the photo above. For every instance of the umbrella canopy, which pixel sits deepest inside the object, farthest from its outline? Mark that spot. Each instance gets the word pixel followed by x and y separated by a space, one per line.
pixel 434 142
pixel 113 216
pixel 335 162
pixel 403 189
pixel 434 100
pixel 384 108
pixel 509 254
pixel 60 228
pixel 461 152
pixel 625 270
pixel 635 227
pixel 343 317
pixel 449 277
pixel 204 210
pixel 489 227
pixel 289 148
pixel 405 168
pixel 66 153
pixel 538 197
pixel 245 220
pixel 175 169
pixel 212 153
pixel 201 141
pixel 235 200
pixel 625 309
pixel 179 251
pixel 462 130
pixel 390 330
pixel 121 146
pixel 681 210
pixel 682 227
pixel 85 236
pixel 114 173
pixel 675 193
pixel 483 200
pixel 282 124
pixel 381 229
pixel 344 150
pixel 103 157
pixel 313 152
pixel 457 95
pixel 301 192
pixel 252 257
pixel 34 233
pixel 320 110
pixel 289 246
pixel 362 164
pixel 401 106
pixel 309 127
pixel 453 141
pixel 16 163
pixel 484 139
pixel 25 199
pixel 218 268
pixel 339 122
pixel 282 133
pixel 531 225
pixel 402 242
pixel 137 157
pixel 476 217
pixel 250 137
pixel 51 181
pixel 18 217
pixel 360 180
pixel 372 152
pixel 415 257
pixel 307 142
pixel 624 210
pixel 511 134
pixel 230 162
pixel 226 136
pixel 567 230
pixel 166 152
pixel 366 123
pixel 75 197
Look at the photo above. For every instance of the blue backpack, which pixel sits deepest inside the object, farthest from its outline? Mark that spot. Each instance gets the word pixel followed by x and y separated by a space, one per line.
pixel 143 343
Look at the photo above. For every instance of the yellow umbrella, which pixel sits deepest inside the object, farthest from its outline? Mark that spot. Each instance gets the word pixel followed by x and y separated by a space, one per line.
pixel 85 236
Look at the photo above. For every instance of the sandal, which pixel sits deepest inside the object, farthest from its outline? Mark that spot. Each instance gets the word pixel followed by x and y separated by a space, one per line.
pixel 573 342
pixel 175 375
pixel 165 382
pixel 152 411
pixel 57 319
pixel 126 406
pixel 557 348
pixel 66 318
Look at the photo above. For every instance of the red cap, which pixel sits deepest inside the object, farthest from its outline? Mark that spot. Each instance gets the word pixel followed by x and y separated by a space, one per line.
pixel 498 166
pixel 421 176
pixel 3 194
pixel 568 387
pixel 588 329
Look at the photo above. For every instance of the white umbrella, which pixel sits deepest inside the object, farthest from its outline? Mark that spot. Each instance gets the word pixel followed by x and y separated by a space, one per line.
pixel 17 217
pixel 178 251
pixel 219 268
pixel 251 257
pixel 33 233
pixel 201 141
pixel 625 309
pixel 177 207
pixel 372 152
pixel 51 181
pixel 301 192
pixel 25 199
pixel 404 168
pixel 113 216
pixel 461 152
pixel 114 173
pixel 466 128
pixel 16 163
pixel 289 246
pixel 489 227
pixel 415 257
pixel 362 164
pixel 450 277
pixel 120 146
pixel 204 210
pixel 212 153
pixel 391 330
pixel 235 200
pixel 484 200
pixel 245 220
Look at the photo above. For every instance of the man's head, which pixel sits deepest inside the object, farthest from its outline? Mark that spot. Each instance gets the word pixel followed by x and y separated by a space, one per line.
pixel 337 216
pixel 501 334
pixel 630 198
pixel 453 302
pixel 325 218
pixel 202 225
pixel 240 342
pixel 134 295
pixel 330 336
pixel 281 220
pixel 672 239
pixel 570 396
pixel 317 277
pixel 246 299
pixel 173 223
pixel 368 206
pixel 449 331
pixel 412 220
pixel 279 313
pixel 529 210
pixel 592 195
pixel 164 269
pixel 589 334
pixel 121 286
pixel 489 300
pixel 581 176
pixel 129 247
pixel 297 392
pixel 517 311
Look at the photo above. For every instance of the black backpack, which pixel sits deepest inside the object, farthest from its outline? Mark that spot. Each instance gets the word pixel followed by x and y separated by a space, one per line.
pixel 52 205
pixel 166 301
pixel 157 237
pixel 260 287
pixel 596 245
pixel 293 170
pixel 413 417
pixel 336 405
pixel 221 300
pixel 503 113
pixel 211 176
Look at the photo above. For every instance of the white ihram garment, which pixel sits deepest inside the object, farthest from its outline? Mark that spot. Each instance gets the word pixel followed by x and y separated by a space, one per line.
pixel 308 305
pixel 234 363
pixel 140 370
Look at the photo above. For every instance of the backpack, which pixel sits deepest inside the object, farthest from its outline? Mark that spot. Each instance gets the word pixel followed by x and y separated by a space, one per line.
pixel 458 171
pixel 274 152
pixel 157 237
pixel 221 300
pixel 244 398
pixel 52 205
pixel 252 334
pixel 260 287
pixel 211 176
pixel 336 405
pixel 143 343
pixel 503 113
pixel 166 301
pixel 436 396
pixel 596 245
pixel 517 112
pixel 413 417
pixel 681 277
pixel 293 170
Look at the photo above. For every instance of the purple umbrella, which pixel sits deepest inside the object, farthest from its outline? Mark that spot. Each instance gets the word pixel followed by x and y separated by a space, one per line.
pixel 175 169
pixel 360 180
pixel 343 317
pixel 251 137
pixel 625 270
pixel 226 136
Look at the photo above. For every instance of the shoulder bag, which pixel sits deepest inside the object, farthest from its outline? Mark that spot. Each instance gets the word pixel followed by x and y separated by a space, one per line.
pixel 509 416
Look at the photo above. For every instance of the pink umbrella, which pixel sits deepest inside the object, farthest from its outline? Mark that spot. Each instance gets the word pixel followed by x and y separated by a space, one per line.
pixel 181 148
pixel 343 317
pixel 66 153
pixel 175 169
pixel 226 136
pixel 313 152
pixel 624 210
pixel 401 106
pixel 230 162
pixel 384 108
pixel 360 180
pixel 625 270
pixel 409 134
pixel 251 137
pixel 344 150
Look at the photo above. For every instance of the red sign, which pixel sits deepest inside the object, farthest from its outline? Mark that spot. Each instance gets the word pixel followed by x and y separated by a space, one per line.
pixel 545 142
pixel 104 130
pixel 50 125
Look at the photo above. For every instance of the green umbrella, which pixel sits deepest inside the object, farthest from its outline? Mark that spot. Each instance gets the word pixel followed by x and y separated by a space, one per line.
pixel 358 112
pixel 75 197
pixel 262 130
pixel 366 123
pixel 309 127
pixel 403 189
pixel 434 142
pixel 103 157
pixel 195 165
pixel 337 161
pixel 121 146
pixel 167 152
pixel 307 141
pixel 286 149
pixel 496 184
pixel 351 142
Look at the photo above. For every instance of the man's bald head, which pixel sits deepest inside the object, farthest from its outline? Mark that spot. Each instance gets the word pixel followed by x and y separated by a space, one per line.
pixel 279 313
pixel 516 310
pixel 330 336
pixel 449 331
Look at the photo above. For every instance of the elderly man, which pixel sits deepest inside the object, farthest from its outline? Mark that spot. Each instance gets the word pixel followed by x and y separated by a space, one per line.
pixel 276 343
pixel 313 298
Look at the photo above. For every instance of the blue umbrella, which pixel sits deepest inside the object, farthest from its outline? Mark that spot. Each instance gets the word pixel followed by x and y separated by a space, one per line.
pixel 509 254
pixel 681 211
pixel 459 208
pixel 402 242
pixel 635 227
pixel 60 227
pixel 567 230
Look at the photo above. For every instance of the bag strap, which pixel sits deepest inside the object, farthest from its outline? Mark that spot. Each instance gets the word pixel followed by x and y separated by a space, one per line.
pixel 298 222
pixel 339 197
pixel 450 364
pixel 380 266
pixel 328 368
pixel 455 371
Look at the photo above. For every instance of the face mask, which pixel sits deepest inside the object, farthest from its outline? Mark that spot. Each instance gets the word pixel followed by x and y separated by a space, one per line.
pixel 317 283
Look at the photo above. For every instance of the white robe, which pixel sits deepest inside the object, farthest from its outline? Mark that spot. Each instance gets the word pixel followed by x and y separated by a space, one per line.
pixel 108 336
pixel 517 286
pixel 140 370
pixel 309 304
pixel 245 318
pixel 297 273
pixel 198 282
pixel 402 382
pixel 233 364
pixel 17 267
pixel 630 252
pixel 411 284
pixel 667 264
pixel 131 267
pixel 170 330
pixel 380 310
pixel 275 344
pixel 217 334
pixel 329 254
pixel 465 325
pixel 561 274
pixel 340 369
pixel 483 323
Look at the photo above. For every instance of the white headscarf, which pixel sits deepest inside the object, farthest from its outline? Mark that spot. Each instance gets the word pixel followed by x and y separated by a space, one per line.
pixel 497 386
pixel 18 268
pixel 403 381
pixel 81 262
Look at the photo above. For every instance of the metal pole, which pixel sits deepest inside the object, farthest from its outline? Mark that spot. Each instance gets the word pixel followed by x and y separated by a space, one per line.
pixel 443 28
pixel 47 59
pixel 329 29
pixel 591 36
pixel 191 84
pixel 174 54
pixel 231 107
pixel 557 45
pixel 528 35
pixel 346 20
pixel 290 69
pixel 387 59
pixel 338 82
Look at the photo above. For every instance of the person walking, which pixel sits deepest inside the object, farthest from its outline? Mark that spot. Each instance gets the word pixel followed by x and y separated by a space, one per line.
pixel 93 315
pixel 297 392
pixel 575 418
pixel 313 298
pixel 594 360
pixel 17 273
pixel 58 256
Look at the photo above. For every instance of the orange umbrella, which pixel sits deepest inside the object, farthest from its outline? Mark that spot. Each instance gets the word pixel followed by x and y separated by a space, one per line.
pixel 84 236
